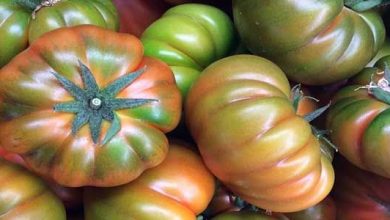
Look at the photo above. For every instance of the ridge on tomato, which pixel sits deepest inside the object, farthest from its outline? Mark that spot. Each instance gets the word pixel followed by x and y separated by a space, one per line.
pixel 23 21
pixel 25 196
pixel 178 188
pixel 359 119
pixel 83 106
pixel 313 42
pixel 240 115
pixel 188 38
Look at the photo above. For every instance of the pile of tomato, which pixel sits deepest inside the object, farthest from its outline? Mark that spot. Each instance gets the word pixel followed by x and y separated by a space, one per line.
pixel 184 109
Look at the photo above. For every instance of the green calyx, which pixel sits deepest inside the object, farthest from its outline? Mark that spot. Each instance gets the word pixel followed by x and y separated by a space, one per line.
pixel 326 146
pixel 92 105
pixel 363 5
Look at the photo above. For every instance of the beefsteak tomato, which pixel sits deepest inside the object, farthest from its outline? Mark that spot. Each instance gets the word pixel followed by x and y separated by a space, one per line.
pixel 21 23
pixel 251 138
pixel 359 119
pixel 313 42
pixel 83 75
pixel 188 38
pixel 359 194
pixel 179 188
pixel 25 196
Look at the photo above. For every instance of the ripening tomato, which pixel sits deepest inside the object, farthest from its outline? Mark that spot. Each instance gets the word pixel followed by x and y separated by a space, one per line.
pixel 71 197
pixel 359 120
pixel 179 188
pixel 25 196
pixel 22 23
pixel 359 194
pixel 313 42
pixel 188 38
pixel 250 137
pixel 87 75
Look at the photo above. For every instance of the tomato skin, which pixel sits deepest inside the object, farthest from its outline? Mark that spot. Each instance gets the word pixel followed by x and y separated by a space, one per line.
pixel 325 210
pixel 71 197
pixel 43 137
pixel 179 188
pixel 359 122
pixel 25 196
pixel 188 38
pixel 359 194
pixel 137 15
pixel 315 43
pixel 19 29
pixel 244 215
pixel 248 133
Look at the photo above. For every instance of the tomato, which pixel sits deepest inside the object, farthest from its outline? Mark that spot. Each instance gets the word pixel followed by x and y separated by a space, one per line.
pixel 250 137
pixel 178 188
pixel 359 123
pixel 360 194
pixel 245 215
pixel 83 106
pixel 384 51
pixel 25 196
pixel 325 210
pixel 137 15
pixel 314 42
pixel 71 197
pixel 18 28
pixel 188 38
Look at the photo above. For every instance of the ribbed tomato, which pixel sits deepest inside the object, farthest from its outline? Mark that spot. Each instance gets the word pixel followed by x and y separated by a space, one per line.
pixel 314 42
pixel 25 196
pixel 188 38
pixel 21 22
pixel 251 138
pixel 83 106
pixel 179 188
pixel 359 120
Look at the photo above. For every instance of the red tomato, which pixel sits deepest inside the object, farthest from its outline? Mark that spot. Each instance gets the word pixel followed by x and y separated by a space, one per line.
pixel 179 188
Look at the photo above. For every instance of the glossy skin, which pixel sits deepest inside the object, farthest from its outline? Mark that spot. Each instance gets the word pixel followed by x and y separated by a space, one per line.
pixel 188 38
pixel 250 137
pixel 137 15
pixel 359 124
pixel 179 188
pixel 43 137
pixel 325 210
pixel 25 196
pixel 18 29
pixel 71 197
pixel 360 194
pixel 314 42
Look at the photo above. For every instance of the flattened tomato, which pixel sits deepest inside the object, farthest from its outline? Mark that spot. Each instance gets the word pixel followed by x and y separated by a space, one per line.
pixel 179 188
pixel 86 75
pixel 314 42
pixel 251 138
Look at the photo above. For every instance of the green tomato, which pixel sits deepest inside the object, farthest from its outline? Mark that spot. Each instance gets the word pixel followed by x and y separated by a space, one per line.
pixel 188 38
pixel 18 28
pixel 314 42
